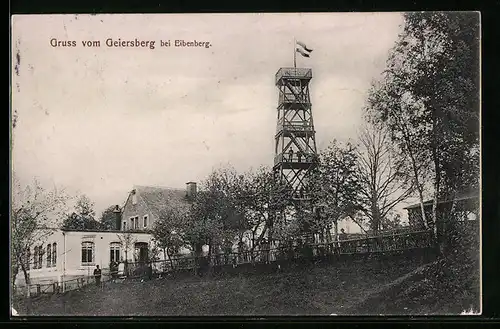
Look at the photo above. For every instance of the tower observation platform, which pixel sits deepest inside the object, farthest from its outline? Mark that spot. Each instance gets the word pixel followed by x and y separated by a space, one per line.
pixel 295 143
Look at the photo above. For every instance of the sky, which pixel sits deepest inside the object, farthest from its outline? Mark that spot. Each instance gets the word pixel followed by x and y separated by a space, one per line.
pixel 98 121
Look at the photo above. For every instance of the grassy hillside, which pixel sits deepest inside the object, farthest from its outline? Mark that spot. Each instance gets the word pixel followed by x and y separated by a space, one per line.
pixel 450 286
pixel 323 289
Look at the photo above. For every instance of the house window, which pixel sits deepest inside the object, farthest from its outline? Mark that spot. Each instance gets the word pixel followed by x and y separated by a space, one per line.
pixel 124 226
pixel 87 253
pixel 134 222
pixel 145 221
pixel 114 252
pixel 54 254
pixel 49 255
pixel 40 257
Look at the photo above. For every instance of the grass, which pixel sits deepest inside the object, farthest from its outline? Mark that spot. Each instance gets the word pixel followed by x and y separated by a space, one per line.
pixel 447 286
pixel 323 289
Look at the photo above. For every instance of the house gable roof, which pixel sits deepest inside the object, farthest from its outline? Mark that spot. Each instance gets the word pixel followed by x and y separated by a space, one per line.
pixel 157 198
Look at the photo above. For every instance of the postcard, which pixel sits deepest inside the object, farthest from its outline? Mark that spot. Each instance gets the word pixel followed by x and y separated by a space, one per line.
pixel 253 164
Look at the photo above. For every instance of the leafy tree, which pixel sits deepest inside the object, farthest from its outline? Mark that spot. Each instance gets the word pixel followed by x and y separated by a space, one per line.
pixel 212 214
pixel 34 213
pixel 264 201
pixel 83 216
pixel 334 187
pixel 202 226
pixel 382 182
pixel 391 222
pixel 168 230
pixel 108 218
pixel 429 99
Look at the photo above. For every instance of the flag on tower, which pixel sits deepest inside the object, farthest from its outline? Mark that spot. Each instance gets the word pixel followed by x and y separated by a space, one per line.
pixel 303 50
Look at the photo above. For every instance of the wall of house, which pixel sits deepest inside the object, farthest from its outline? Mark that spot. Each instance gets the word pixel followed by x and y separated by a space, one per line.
pixel 139 209
pixel 69 254
pixel 45 274
pixel 102 243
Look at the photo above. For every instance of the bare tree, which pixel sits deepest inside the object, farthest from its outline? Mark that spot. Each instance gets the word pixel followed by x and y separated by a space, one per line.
pixel 127 240
pixel 34 214
pixel 383 184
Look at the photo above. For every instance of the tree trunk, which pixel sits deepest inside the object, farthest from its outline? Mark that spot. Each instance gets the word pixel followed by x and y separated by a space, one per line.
pixel 253 240
pixel 125 264
pixel 437 180
pixel 28 287
pixel 14 273
pixel 259 238
pixel 422 207
pixel 240 244
pixel 415 172
pixel 375 218
pixel 169 259
pixel 27 280
pixel 434 209
pixel 336 231
pixel 328 233
pixel 210 250
pixel 446 232
pixel 270 235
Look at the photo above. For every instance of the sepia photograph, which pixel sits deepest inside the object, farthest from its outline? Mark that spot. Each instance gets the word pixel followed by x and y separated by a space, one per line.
pixel 258 164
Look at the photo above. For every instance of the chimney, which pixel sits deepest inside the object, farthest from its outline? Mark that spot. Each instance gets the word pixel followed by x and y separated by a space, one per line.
pixel 134 196
pixel 118 217
pixel 191 189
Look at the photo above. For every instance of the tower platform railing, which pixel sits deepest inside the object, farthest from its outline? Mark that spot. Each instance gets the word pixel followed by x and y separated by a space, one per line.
pixel 290 98
pixel 295 158
pixel 294 125
pixel 293 73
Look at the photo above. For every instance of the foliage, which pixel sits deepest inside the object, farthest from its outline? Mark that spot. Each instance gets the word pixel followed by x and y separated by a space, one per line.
pixel 83 216
pixel 108 218
pixel 265 201
pixel 167 230
pixel 334 186
pixel 429 100
pixel 230 205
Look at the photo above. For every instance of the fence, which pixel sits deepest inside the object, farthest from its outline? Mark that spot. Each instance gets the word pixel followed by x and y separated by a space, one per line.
pixel 385 243
pixel 394 242
pixel 55 287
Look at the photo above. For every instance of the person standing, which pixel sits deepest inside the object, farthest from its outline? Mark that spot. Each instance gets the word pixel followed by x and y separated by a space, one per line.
pixel 343 235
pixel 97 276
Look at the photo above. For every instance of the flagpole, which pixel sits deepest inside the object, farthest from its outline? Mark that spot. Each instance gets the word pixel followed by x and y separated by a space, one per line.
pixel 294 53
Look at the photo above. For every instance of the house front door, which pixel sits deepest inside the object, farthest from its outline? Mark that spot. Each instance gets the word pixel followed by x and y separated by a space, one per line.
pixel 141 252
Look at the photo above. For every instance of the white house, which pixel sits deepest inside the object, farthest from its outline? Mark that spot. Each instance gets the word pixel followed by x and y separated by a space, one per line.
pixel 66 254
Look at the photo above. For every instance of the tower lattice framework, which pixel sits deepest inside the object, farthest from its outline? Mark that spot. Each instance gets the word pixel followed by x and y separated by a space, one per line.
pixel 295 143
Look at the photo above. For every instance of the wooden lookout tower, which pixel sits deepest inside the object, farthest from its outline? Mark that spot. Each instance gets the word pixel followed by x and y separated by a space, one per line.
pixel 295 152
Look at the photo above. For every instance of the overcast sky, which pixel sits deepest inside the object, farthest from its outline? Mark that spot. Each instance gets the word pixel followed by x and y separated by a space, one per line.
pixel 99 120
